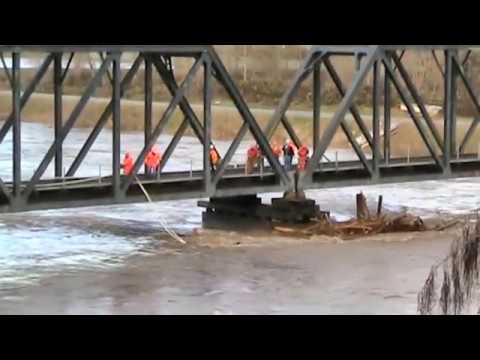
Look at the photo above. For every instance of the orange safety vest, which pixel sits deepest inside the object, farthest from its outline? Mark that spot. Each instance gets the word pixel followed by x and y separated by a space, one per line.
pixel 303 158
pixel 253 152
pixel 128 165
pixel 303 152
pixel 214 157
pixel 152 160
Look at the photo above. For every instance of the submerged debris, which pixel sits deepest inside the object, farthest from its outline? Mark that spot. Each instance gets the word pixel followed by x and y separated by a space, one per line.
pixel 363 225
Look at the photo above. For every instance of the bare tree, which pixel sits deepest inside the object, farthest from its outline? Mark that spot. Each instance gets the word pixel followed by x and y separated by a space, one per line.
pixel 460 273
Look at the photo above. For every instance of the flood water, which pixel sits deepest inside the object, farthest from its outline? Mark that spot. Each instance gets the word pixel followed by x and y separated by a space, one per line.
pixel 116 260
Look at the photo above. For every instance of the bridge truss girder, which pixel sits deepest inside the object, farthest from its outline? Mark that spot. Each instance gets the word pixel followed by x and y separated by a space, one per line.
pixel 375 61
pixel 19 195
pixel 447 156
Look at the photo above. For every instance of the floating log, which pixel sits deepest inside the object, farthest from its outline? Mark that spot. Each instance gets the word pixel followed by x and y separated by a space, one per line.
pixel 449 225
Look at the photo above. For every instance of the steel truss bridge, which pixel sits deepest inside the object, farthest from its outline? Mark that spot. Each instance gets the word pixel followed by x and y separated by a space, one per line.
pixel 447 157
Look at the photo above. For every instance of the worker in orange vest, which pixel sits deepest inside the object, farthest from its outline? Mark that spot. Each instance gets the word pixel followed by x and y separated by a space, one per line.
pixel 152 161
pixel 303 153
pixel 214 157
pixel 253 152
pixel 253 156
pixel 277 150
pixel 127 165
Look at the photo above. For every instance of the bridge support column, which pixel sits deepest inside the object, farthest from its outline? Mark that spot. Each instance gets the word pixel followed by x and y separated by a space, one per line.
pixel 248 212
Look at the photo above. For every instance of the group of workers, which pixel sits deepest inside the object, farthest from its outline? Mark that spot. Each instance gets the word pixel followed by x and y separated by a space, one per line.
pixel 154 158
pixel 152 162
pixel 289 151
pixel 254 156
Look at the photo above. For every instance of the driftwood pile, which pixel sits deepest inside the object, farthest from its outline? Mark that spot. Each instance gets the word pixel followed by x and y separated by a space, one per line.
pixel 365 224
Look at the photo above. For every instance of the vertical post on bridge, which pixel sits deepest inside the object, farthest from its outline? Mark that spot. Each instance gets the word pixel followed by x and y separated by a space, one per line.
pixel 387 114
pixel 17 149
pixel 116 117
pixel 317 100
pixel 58 112
pixel 358 62
pixel 207 118
pixel 376 119
pixel 450 109
pixel 148 99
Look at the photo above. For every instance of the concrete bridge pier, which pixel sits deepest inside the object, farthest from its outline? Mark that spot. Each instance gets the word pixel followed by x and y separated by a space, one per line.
pixel 249 212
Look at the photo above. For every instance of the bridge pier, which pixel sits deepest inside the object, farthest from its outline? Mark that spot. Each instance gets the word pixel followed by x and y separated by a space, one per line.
pixel 248 212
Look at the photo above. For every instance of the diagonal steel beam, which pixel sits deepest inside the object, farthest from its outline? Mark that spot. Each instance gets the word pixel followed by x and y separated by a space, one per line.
pixel 403 95
pixel 418 99
pixel 230 153
pixel 356 147
pixel 5 68
pixel 27 94
pixel 286 100
pixel 92 86
pixel 474 99
pixel 172 87
pixel 467 84
pixel 173 143
pixel 291 132
pixel 467 56
pixel 103 119
pixel 69 62
pixel 353 109
pixel 178 97
pixel 110 77
pixel 402 54
pixel 339 116
pixel 232 90
pixel 437 62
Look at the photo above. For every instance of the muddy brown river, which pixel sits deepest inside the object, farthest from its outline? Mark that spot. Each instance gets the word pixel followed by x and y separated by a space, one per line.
pixel 117 260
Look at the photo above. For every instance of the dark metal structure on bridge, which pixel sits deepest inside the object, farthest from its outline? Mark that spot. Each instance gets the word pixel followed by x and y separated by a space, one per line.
pixel 447 156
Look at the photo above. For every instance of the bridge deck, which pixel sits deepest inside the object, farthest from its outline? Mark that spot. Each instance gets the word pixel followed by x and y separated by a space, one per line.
pixel 77 192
